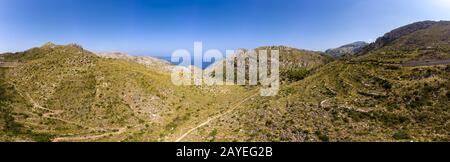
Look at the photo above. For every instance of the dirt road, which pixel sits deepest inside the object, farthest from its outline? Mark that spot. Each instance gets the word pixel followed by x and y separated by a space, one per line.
pixel 426 63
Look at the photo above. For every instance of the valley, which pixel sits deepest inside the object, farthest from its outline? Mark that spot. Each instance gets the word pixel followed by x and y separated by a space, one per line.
pixel 394 89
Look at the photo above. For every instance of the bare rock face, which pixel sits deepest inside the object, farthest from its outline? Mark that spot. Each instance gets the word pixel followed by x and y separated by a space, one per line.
pixel 348 49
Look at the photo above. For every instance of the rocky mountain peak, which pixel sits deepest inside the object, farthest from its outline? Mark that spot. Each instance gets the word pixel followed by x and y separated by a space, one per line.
pixel 402 31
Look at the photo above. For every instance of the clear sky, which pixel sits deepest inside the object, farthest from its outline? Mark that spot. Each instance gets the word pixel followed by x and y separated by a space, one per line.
pixel 158 27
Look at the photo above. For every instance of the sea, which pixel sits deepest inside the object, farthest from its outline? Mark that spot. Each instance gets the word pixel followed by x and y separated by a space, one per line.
pixel 204 64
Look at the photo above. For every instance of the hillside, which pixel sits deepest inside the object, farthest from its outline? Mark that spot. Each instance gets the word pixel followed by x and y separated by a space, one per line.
pixel 395 89
pixel 375 96
pixel 65 93
pixel 150 62
pixel 346 50
pixel 295 64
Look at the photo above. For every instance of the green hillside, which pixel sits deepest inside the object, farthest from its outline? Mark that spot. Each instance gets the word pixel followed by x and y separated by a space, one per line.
pixel 295 64
pixel 395 89
pixel 396 92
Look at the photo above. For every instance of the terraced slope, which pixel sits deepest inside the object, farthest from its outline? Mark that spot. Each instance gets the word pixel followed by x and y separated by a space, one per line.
pixel 376 96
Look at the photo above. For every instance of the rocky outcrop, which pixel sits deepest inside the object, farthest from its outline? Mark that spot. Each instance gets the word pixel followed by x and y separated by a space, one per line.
pixel 400 32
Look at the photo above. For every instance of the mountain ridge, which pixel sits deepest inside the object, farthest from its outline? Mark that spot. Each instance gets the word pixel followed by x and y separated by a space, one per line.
pixel 390 91
pixel 400 32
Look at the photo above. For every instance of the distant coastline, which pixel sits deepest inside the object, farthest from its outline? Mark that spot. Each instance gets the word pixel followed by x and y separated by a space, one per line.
pixel 168 58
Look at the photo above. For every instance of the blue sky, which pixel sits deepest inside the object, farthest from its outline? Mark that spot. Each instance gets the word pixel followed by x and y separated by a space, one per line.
pixel 158 27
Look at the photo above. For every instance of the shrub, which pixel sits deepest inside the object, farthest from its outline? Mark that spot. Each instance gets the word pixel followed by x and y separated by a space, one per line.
pixel 447 69
pixel 392 67
pixel 393 119
pixel 383 83
pixel 392 106
pixel 322 137
pixel 213 135
pixel 357 116
pixel 419 102
pixel 402 134
pixel 296 75
pixel 42 137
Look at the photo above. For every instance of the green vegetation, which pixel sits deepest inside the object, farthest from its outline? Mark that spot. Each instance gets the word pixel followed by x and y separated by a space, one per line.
pixel 322 137
pixel 392 91
pixel 401 135
pixel 297 74
pixel 368 97
pixel 64 92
